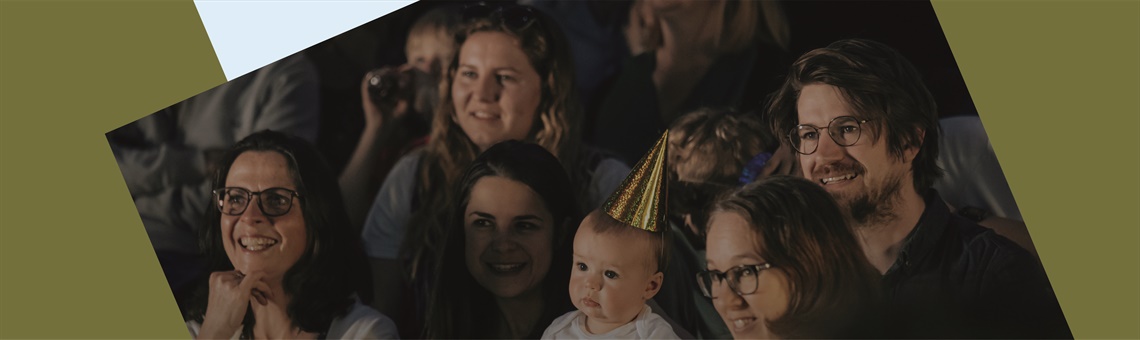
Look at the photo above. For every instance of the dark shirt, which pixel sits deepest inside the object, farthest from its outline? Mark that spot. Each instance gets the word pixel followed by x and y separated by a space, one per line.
pixel 954 278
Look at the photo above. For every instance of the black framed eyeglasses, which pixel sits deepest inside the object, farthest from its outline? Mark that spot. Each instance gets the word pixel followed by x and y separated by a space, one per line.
pixel 273 202
pixel 743 280
pixel 844 130
pixel 517 17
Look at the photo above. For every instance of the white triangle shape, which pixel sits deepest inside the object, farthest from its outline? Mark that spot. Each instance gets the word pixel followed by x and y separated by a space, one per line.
pixel 249 34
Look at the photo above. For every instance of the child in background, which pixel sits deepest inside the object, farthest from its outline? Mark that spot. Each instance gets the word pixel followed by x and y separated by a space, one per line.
pixel 398 104
pixel 620 254
pixel 710 151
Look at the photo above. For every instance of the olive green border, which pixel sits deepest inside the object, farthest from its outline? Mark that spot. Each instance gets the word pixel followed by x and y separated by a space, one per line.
pixel 1056 84
pixel 76 261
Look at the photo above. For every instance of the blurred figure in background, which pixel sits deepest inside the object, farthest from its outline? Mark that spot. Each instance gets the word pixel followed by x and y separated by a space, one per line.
pixel 688 55
pixel 398 105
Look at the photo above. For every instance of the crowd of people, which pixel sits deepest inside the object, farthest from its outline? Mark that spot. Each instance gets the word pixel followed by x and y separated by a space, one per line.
pixel 561 169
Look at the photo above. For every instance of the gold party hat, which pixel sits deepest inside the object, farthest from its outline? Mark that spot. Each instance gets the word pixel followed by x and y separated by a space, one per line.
pixel 640 199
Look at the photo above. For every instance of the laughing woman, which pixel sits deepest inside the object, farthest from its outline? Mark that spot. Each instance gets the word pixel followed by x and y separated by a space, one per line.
pixel 284 262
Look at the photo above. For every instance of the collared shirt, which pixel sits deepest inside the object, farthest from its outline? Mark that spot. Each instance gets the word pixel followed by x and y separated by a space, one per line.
pixel 954 278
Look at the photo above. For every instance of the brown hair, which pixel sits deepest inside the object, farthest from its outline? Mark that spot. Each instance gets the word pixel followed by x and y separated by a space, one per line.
pixel 602 223
pixel 714 144
pixel 879 84
pixel 801 231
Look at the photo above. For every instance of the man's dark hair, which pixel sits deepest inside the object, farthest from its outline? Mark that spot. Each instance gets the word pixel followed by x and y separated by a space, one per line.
pixel 879 84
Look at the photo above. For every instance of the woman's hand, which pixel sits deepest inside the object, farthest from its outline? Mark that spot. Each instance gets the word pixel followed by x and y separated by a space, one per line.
pixel 230 294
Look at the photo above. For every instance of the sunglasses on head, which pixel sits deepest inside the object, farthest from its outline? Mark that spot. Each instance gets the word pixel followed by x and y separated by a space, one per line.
pixel 516 17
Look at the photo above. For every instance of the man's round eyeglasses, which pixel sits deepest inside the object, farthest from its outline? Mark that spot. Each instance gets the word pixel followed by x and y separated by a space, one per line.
pixel 743 280
pixel 844 130
pixel 272 202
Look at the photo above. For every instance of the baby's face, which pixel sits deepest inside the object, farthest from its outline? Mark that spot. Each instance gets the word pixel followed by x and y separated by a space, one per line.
pixel 611 278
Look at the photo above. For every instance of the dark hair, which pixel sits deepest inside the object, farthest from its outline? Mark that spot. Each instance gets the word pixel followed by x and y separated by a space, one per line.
pixel 323 281
pixel 659 241
pixel 880 84
pixel 459 306
pixel 801 231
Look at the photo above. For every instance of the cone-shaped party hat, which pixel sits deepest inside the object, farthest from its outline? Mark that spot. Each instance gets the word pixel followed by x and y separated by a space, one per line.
pixel 640 200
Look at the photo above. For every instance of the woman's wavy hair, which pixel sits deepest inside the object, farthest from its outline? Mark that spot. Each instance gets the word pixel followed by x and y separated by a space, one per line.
pixel 333 270
pixel 801 231
pixel 459 306
pixel 449 151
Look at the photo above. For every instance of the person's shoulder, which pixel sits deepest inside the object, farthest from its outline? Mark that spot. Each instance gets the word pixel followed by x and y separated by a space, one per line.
pixel 650 325
pixel 363 322
pixel 565 319
pixel 410 160
pixel 996 257
pixel 979 240
pixel 975 240
pixel 560 324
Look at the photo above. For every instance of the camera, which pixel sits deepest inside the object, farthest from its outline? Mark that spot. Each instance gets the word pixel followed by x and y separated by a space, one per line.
pixel 387 86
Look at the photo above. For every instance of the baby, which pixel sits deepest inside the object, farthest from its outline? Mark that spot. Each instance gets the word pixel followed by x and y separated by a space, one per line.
pixel 616 269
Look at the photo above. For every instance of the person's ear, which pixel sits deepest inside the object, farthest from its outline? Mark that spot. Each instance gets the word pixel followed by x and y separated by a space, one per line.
pixel 911 151
pixel 653 286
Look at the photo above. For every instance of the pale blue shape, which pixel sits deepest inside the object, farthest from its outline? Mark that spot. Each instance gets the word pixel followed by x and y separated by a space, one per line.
pixel 249 34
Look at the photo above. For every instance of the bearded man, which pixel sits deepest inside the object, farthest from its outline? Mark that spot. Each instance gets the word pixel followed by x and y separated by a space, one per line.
pixel 866 129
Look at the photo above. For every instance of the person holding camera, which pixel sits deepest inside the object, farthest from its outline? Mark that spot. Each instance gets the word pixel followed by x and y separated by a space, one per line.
pixel 398 105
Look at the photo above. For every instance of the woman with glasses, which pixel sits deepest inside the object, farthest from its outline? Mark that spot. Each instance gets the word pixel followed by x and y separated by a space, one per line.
pixel 283 261
pixel 512 79
pixel 515 221
pixel 782 263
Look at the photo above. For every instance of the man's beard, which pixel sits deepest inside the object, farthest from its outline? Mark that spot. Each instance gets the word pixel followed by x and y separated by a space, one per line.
pixel 873 207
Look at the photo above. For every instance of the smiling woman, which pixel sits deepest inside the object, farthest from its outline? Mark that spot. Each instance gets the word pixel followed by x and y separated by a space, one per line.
pixel 284 263
pixel 511 79
pixel 515 218
pixel 782 263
